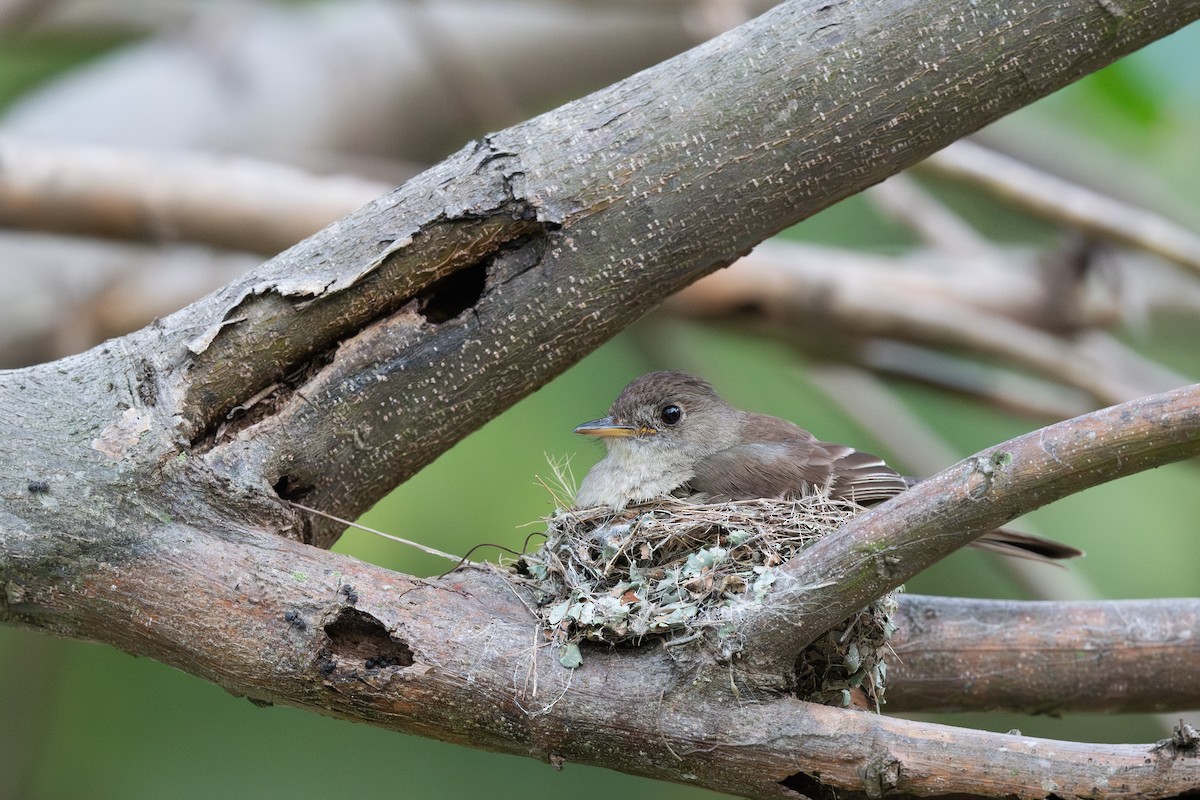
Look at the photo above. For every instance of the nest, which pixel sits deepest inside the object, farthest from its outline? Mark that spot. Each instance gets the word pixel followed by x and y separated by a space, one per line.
pixel 674 569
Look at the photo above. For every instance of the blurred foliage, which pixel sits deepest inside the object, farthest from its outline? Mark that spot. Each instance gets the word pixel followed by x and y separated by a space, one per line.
pixel 88 721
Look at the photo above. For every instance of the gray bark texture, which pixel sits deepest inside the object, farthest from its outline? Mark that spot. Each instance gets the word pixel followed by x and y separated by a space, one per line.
pixel 141 482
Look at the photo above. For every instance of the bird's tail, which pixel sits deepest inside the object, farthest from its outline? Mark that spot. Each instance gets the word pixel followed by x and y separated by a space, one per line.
pixel 1025 545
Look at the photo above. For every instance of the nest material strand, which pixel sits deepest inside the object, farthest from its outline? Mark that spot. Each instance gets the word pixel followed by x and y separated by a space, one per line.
pixel 673 569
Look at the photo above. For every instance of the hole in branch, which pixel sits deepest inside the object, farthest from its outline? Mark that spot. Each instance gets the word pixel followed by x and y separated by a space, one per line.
pixel 357 639
pixel 809 786
pixel 287 491
pixel 447 297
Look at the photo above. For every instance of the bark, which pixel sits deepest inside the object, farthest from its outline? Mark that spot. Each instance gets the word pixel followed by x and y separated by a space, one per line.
pixel 1045 657
pixel 141 499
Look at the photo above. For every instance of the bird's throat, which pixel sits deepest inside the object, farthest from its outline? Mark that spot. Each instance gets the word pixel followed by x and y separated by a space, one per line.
pixel 632 472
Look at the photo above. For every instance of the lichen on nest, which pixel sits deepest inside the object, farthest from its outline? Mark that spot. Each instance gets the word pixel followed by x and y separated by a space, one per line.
pixel 673 569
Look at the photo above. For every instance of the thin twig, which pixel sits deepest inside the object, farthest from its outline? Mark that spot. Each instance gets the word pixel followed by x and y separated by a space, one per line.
pixel 458 560
pixel 903 199
pixel 889 421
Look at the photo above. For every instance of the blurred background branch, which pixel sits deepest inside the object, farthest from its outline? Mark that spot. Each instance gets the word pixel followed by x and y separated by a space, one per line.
pixel 991 291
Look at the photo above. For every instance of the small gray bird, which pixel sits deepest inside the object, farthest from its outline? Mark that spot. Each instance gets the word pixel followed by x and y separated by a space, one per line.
pixel 671 434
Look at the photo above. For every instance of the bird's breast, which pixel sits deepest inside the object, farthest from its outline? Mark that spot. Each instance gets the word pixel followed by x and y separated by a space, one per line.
pixel 628 475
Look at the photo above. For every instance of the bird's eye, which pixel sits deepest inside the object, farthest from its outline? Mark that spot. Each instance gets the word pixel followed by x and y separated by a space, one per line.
pixel 670 415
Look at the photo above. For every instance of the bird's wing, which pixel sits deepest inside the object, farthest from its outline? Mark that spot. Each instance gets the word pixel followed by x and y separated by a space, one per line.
pixel 793 468
pixel 861 477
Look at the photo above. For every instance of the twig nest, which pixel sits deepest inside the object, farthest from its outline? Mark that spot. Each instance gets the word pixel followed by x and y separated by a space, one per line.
pixel 674 569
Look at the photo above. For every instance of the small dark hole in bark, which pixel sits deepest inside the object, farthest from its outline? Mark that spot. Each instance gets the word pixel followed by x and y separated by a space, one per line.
pixel 447 297
pixel 809 786
pixel 357 638
pixel 287 491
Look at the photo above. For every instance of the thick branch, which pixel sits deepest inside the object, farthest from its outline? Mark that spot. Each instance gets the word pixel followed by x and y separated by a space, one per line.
pixel 561 231
pixel 886 546
pixel 461 660
pixel 1045 657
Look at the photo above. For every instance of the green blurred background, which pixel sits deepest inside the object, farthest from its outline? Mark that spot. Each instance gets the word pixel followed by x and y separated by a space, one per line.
pixel 81 720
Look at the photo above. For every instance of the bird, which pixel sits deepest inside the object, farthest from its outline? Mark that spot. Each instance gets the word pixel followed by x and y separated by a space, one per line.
pixel 669 434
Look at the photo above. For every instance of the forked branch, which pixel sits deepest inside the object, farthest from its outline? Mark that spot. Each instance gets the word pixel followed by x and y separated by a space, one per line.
pixel 881 549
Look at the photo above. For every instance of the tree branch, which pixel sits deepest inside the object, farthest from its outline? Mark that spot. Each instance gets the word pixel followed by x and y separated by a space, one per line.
pixel 1051 197
pixel 799 295
pixel 563 230
pixel 231 202
pixel 884 547
pixel 953 654
pixel 461 659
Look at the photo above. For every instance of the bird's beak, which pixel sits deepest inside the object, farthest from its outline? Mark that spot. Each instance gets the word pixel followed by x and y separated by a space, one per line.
pixel 607 427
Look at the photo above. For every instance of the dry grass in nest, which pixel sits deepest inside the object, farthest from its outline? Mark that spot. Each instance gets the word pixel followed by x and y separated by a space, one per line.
pixel 673 569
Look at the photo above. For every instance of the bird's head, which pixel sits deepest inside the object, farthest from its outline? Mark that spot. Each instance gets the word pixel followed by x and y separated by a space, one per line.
pixel 670 413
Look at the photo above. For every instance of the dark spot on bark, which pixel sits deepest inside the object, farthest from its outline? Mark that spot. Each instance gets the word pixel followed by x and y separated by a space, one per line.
pixel 289 491
pixel 449 296
pixel 295 492
pixel 38 487
pixel 146 383
pixel 294 619
pixel 347 591
pixel 357 638
pixel 809 786
pixel 751 309
pixel 378 662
